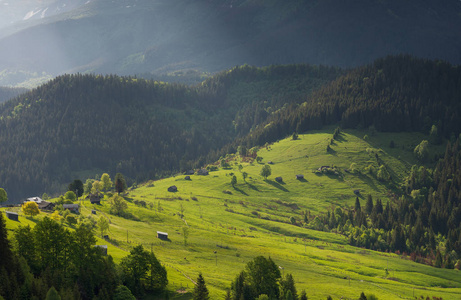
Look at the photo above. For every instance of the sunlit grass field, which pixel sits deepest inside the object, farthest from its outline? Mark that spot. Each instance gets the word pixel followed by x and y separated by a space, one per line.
pixel 228 226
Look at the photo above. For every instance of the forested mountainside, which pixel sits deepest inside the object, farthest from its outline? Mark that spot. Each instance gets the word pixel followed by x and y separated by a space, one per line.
pixel 143 129
pixel 398 93
pixel 160 37
pixel 7 93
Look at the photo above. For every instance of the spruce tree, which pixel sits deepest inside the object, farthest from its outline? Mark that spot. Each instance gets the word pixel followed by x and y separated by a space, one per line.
pixel 369 205
pixel 200 289
pixel 52 294
pixel 303 295
pixel 357 204
pixel 5 247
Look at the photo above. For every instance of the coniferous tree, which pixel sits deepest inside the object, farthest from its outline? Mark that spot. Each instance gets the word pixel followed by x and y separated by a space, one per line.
pixel 52 294
pixel 357 205
pixel 5 247
pixel 369 205
pixel 77 187
pixel 120 183
pixel 200 289
pixel 303 295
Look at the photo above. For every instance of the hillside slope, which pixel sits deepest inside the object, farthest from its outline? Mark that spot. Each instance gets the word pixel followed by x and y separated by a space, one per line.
pixel 82 125
pixel 230 225
pixel 137 36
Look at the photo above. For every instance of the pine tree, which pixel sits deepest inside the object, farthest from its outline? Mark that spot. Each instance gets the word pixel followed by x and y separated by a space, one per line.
pixel 5 247
pixel 52 294
pixel 369 205
pixel 200 289
pixel 357 204
pixel 362 296
pixel 303 295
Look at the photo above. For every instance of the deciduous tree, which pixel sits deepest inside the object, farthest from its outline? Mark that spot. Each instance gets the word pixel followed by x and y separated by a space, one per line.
pixel 266 171
pixel 103 225
pixel 70 195
pixel 3 195
pixel 106 182
pixel 118 205
pixel 30 208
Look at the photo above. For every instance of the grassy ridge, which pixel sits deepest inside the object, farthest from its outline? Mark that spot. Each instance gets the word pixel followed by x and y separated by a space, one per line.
pixel 252 219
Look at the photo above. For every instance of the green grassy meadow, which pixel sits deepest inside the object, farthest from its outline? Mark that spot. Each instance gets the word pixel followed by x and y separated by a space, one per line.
pixel 228 226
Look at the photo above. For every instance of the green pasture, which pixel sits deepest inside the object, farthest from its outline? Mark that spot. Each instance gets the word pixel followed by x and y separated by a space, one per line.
pixel 228 226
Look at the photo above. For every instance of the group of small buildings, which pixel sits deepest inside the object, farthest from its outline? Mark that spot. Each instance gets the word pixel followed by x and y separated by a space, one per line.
pixel 42 204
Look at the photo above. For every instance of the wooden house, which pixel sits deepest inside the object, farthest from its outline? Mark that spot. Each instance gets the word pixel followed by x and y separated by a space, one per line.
pixel 187 177
pixel 299 176
pixel 279 179
pixel 162 235
pixel 45 205
pixel 72 208
pixel 172 189
pixel 12 215
pixel 95 198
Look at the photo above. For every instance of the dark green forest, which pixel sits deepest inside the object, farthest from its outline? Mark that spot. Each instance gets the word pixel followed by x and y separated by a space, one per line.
pixel 147 129
pixel 49 258
pixel 394 94
pixel 140 128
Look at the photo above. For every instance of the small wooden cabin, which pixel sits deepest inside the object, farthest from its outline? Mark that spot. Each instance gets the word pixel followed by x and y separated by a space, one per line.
pixel 299 176
pixel 12 215
pixel 279 179
pixel 162 235
pixel 45 205
pixel 187 177
pixel 72 208
pixel 173 189
pixel 95 198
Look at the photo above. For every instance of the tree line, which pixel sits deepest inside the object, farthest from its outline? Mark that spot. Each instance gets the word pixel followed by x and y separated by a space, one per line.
pixel 49 259
pixel 393 94
pixel 424 222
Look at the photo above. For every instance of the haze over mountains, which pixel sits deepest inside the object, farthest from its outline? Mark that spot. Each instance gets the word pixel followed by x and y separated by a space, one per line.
pixel 41 39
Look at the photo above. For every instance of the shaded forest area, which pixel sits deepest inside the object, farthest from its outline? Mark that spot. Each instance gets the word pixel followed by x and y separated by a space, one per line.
pixel 394 94
pixel 143 129
pixel 146 129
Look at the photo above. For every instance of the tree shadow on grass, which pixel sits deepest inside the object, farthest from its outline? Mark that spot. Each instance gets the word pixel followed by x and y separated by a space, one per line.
pixel 340 138
pixel 251 186
pixel 239 190
pixel 302 179
pixel 276 184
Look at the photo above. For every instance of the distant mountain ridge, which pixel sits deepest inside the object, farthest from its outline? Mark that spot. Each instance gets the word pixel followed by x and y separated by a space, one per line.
pixel 158 36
